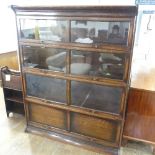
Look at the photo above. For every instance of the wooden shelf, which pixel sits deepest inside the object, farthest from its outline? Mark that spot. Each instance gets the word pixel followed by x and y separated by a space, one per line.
pixel 12 89
pixel 13 95
pixel 15 99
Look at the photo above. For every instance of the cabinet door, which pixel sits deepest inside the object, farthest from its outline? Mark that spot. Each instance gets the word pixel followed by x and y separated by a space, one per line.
pixel 53 59
pixel 102 32
pixel 99 64
pixel 44 29
pixel 97 97
pixel 46 88
pixel 45 115
pixel 97 128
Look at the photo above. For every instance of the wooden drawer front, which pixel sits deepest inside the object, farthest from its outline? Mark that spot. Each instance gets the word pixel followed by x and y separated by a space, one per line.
pixel 13 83
pixel 46 115
pixel 94 127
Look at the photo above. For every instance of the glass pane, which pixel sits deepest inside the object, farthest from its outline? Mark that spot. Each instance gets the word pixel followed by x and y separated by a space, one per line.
pixel 88 32
pixel 52 30
pixel 97 97
pixel 46 88
pixel 96 64
pixel 44 58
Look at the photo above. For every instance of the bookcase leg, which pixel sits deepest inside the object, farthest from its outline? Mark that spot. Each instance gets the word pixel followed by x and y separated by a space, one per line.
pixel 124 142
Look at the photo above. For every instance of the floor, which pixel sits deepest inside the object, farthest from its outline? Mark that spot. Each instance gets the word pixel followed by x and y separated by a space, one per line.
pixel 14 141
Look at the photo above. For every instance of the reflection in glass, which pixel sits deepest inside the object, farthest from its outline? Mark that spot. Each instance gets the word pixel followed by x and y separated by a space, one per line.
pixel 44 58
pixel 52 30
pixel 97 97
pixel 46 88
pixel 89 32
pixel 97 64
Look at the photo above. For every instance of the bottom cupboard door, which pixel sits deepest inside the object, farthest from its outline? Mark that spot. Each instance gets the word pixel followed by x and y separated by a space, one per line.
pixel 47 115
pixel 101 129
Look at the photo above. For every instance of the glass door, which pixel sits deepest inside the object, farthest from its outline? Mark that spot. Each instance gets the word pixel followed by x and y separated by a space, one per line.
pixel 102 32
pixel 44 29
pixel 53 59
pixel 48 88
pixel 97 97
pixel 98 64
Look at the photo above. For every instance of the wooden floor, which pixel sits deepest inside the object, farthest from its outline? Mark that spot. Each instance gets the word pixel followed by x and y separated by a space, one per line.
pixel 14 141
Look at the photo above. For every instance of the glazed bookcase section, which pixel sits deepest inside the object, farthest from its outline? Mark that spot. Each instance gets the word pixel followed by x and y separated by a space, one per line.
pixel 48 58
pixel 92 65
pixel 96 97
pixel 98 64
pixel 46 88
pixel 102 32
pixel 89 33
pixel 106 99
pixel 44 29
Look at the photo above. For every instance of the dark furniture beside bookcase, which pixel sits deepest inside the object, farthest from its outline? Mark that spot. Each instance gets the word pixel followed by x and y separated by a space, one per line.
pixel 140 119
pixel 75 65
pixel 12 89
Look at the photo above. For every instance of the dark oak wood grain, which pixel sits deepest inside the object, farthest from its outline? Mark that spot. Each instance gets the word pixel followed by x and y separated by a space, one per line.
pixel 128 10
pixel 94 127
pixel 49 104
pixel 140 116
pixel 49 116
